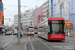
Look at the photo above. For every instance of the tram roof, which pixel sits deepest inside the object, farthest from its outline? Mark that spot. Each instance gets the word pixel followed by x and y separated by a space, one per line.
pixel 56 18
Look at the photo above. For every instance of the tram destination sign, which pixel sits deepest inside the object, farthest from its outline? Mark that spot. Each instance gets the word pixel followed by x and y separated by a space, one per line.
pixel 57 22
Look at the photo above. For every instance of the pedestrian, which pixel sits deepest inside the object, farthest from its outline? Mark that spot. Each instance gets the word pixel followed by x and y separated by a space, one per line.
pixel 20 34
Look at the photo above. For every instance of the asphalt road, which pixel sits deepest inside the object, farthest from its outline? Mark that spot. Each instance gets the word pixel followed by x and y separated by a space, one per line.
pixel 4 41
pixel 36 43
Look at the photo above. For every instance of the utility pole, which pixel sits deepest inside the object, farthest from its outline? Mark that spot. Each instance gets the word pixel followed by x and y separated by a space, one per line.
pixel 61 6
pixel 19 22
pixel 52 8
pixel 61 10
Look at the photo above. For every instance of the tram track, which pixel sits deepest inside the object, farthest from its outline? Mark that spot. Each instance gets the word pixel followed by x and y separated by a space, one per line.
pixel 59 44
pixel 50 43
pixel 38 43
pixel 44 43
pixel 31 43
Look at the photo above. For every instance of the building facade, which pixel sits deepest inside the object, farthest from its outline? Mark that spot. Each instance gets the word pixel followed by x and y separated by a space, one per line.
pixel 26 19
pixel 16 21
pixel 72 13
pixel 37 16
pixel 1 17
pixel 45 7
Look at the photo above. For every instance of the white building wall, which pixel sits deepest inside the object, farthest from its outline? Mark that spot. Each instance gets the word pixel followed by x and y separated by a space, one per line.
pixel 45 7
pixel 27 19
pixel 15 20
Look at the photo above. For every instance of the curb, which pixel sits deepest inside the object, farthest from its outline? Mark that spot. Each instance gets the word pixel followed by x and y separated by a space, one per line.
pixel 26 47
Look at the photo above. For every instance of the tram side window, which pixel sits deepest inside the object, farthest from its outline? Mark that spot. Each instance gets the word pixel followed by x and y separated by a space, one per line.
pixel 48 27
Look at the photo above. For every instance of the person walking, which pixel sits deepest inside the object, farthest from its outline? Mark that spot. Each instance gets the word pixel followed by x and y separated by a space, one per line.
pixel 20 34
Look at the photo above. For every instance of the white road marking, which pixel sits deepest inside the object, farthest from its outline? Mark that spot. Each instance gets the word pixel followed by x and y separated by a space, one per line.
pixel 44 44
pixel 8 42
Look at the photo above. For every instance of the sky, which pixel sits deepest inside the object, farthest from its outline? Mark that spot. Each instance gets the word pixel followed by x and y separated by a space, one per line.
pixel 11 8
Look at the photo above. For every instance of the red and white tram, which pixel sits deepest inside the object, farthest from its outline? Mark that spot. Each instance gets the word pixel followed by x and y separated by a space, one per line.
pixel 52 28
pixel 30 30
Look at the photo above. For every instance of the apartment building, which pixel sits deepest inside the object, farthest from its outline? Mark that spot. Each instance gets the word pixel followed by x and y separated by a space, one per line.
pixel 45 7
pixel 37 16
pixel 26 18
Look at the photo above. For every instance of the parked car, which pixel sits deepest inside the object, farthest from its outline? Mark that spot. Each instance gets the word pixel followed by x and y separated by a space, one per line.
pixel 15 33
pixel 8 33
pixel 11 32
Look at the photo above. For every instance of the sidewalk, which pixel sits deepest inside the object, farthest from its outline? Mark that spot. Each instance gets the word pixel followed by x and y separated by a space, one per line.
pixel 21 46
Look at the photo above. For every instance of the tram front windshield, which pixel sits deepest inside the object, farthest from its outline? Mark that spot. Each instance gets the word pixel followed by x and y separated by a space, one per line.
pixel 57 26
pixel 31 29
